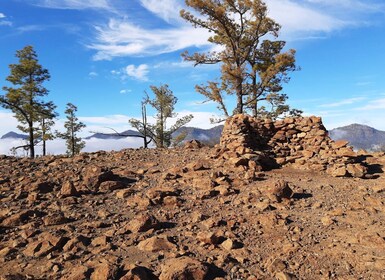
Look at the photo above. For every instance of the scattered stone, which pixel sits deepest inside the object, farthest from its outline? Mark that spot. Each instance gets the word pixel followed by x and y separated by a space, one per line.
pixel 104 271
pixel 156 244
pixel 68 189
pixel 138 273
pixel 281 190
pixel 183 268
pixel 143 222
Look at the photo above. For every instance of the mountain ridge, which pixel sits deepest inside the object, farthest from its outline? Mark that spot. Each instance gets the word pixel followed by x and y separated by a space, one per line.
pixel 359 136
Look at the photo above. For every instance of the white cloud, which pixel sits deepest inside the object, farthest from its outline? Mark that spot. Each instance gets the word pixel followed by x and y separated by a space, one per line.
pixel 139 73
pixel 125 91
pixel 126 38
pixel 106 120
pixel 58 146
pixel 347 101
pixel 8 122
pixel 31 28
pixel 93 74
pixel 298 19
pixel 353 5
pixel 378 104
pixel 123 38
pixel 167 10
pixel 74 4
pixel 2 15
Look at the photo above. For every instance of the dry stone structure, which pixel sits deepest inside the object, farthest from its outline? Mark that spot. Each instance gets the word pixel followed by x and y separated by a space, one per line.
pixel 302 142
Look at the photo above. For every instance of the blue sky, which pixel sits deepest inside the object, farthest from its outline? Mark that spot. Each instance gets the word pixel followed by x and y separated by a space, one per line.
pixel 103 54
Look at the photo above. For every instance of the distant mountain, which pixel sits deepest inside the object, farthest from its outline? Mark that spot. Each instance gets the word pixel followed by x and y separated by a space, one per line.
pixel 359 136
pixel 113 136
pixel 14 135
pixel 209 136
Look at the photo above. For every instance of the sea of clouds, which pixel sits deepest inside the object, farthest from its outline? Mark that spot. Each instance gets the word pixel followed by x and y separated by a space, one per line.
pixel 57 146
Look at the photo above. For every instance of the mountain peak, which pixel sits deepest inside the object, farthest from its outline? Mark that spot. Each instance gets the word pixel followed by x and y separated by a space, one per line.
pixel 14 135
pixel 359 136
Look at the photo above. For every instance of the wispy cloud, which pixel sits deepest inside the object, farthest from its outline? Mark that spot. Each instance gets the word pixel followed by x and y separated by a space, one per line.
pixel 5 23
pixel 344 102
pixel 2 15
pixel 74 4
pixel 168 10
pixel 123 38
pixel 106 120
pixel 352 5
pixel 125 91
pixel 298 19
pixel 373 105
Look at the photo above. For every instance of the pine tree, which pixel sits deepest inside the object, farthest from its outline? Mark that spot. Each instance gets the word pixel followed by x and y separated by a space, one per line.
pixel 253 67
pixel 74 143
pixel 46 132
pixel 163 103
pixel 25 98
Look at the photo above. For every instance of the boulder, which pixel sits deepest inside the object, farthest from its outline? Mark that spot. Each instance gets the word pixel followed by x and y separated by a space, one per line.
pixel 183 268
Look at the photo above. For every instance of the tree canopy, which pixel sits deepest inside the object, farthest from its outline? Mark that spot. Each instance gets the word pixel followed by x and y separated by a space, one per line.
pixel 25 97
pixel 253 64
pixel 163 102
pixel 73 126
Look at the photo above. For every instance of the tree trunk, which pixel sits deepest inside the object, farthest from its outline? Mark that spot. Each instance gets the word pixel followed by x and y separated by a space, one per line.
pixel 31 141
pixel 239 108
pixel 144 120
pixel 43 136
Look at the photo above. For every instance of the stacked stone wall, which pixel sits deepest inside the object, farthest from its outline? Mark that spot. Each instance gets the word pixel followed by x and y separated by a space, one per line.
pixel 302 142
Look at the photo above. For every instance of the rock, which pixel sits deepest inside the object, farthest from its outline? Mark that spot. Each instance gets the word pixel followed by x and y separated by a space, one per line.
pixel 57 218
pixel 6 251
pixel 327 221
pixel 193 144
pixel 138 273
pixel 38 248
pixel 356 170
pixel 230 244
pixel 340 144
pixel 18 218
pixel 300 141
pixel 143 222
pixel 93 176
pixel 108 186
pixel 100 241
pixel 183 268
pixel 284 276
pixel 208 237
pixel 79 272
pixel 68 189
pixel 337 171
pixel 104 271
pixel 281 190
pixel 157 194
pixel 124 193
pixel 156 244
pixel 277 265
pixel 42 187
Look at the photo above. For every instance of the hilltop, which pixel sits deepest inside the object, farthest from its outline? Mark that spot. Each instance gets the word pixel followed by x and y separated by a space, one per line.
pixel 196 212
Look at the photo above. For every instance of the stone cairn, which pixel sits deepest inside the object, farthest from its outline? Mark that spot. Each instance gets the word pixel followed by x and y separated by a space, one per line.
pixel 302 142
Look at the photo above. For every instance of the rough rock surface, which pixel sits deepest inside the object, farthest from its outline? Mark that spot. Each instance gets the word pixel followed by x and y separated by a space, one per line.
pixel 193 212
pixel 302 142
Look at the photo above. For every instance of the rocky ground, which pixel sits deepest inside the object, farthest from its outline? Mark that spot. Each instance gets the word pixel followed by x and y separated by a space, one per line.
pixel 184 214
